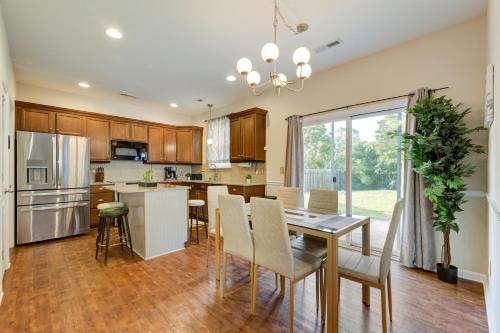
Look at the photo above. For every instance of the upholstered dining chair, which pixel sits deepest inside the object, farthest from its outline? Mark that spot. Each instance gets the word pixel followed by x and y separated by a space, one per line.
pixel 273 250
pixel 213 193
pixel 289 196
pixel 323 201
pixel 372 270
pixel 238 239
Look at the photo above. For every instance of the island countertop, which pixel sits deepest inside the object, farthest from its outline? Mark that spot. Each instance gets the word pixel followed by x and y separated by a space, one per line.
pixel 134 188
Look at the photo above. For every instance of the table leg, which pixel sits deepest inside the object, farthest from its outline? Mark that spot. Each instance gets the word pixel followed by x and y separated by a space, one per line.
pixel 332 304
pixel 217 245
pixel 366 252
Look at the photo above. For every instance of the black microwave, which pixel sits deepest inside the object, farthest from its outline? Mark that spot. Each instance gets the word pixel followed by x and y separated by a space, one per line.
pixel 131 151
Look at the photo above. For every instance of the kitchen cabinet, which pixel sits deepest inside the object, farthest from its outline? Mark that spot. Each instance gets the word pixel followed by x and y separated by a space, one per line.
pixel 99 132
pixel 34 120
pixel 189 145
pixel 120 130
pixel 248 135
pixel 155 144
pixel 139 132
pixel 70 124
pixel 169 145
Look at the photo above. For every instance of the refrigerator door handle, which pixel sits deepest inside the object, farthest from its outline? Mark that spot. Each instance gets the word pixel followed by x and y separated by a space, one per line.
pixel 48 194
pixel 54 207
pixel 54 160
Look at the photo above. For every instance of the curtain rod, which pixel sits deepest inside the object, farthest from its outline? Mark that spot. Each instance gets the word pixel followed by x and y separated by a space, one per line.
pixel 363 103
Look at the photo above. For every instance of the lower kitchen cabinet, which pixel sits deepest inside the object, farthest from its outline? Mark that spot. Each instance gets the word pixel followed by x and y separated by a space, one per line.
pixel 98 195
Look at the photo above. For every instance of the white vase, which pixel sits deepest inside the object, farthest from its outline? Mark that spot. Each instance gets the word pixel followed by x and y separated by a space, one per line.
pixel 249 181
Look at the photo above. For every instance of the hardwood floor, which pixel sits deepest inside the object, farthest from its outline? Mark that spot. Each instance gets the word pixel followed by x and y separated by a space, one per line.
pixel 58 286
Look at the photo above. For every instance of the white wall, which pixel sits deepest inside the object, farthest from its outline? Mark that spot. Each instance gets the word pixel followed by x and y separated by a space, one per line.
pixel 455 57
pixel 8 89
pixel 492 286
pixel 112 105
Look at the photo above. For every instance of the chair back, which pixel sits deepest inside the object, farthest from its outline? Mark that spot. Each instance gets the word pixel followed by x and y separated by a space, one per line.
pixel 289 196
pixel 385 259
pixel 270 234
pixel 323 201
pixel 234 221
pixel 213 203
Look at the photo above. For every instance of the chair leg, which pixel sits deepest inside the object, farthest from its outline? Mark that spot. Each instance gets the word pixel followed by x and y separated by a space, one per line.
pixel 129 236
pixel 384 312
pixel 208 249
pixel 108 222
pixel 204 220
pixel 276 280
pixel 197 236
pixel 317 290
pixel 282 280
pixel 254 289
pixel 98 238
pixel 292 285
pixel 323 294
pixel 251 287
pixel 338 283
pixel 224 272
pixel 121 235
pixel 389 295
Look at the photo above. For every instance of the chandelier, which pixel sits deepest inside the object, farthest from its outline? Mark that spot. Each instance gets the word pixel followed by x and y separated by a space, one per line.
pixel 269 53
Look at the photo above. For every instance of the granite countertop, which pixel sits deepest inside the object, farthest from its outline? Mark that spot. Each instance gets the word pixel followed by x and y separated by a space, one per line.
pixel 231 183
pixel 140 189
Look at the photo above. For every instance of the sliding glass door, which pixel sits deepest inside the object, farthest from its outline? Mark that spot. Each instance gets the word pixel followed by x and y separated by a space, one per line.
pixel 357 156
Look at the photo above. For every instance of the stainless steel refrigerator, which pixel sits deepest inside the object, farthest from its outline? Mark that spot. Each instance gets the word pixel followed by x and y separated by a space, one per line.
pixel 52 186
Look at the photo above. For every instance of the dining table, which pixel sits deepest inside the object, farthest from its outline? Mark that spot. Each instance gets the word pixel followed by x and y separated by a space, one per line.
pixel 330 227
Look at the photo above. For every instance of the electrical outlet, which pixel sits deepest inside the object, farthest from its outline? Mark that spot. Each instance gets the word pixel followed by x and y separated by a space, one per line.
pixel 282 170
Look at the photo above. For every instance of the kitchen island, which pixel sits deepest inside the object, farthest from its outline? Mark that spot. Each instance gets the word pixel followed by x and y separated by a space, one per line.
pixel 158 217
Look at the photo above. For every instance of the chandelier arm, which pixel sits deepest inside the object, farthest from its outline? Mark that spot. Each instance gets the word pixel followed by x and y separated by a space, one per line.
pixel 298 89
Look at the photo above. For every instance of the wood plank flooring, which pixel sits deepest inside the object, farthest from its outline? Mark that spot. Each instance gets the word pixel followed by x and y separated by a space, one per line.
pixel 58 286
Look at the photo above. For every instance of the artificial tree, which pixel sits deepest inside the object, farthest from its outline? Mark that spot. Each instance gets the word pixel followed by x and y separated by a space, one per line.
pixel 437 149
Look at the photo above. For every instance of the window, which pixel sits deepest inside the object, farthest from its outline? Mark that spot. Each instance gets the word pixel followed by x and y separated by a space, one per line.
pixel 218 151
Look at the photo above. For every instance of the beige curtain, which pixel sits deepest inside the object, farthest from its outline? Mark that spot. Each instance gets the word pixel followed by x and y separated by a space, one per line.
pixel 417 248
pixel 294 161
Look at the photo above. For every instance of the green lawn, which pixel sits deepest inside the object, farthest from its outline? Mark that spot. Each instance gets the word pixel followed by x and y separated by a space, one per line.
pixel 375 204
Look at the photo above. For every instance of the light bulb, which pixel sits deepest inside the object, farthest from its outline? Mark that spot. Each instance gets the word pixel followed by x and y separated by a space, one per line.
pixel 244 66
pixel 253 78
pixel 270 52
pixel 301 56
pixel 304 71
pixel 280 80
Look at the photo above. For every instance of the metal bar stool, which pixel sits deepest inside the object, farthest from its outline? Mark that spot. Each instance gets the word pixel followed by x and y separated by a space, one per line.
pixel 109 213
pixel 197 204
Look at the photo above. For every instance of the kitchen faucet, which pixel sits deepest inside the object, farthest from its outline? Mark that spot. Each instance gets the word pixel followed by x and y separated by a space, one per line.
pixel 216 176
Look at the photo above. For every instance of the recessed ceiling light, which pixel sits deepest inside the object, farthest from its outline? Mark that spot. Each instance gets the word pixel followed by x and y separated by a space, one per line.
pixel 230 78
pixel 84 84
pixel 173 105
pixel 113 33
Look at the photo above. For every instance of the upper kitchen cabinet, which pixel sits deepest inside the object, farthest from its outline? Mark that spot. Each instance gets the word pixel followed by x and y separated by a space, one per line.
pixel 248 135
pixel 35 120
pixel 99 132
pixel 169 145
pixel 155 144
pixel 120 130
pixel 189 144
pixel 70 124
pixel 139 132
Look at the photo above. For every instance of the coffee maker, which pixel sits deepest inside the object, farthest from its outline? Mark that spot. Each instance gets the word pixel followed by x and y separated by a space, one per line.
pixel 171 173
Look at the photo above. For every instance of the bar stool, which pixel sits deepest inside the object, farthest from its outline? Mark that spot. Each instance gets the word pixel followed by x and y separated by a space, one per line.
pixel 109 213
pixel 197 204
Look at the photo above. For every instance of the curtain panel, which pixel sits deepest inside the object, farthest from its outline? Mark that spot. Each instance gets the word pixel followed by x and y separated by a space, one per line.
pixel 218 151
pixel 294 161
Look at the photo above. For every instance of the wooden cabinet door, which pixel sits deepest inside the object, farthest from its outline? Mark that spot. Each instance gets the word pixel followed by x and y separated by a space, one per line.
pixel 248 137
pixel 70 124
pixel 184 138
pixel 100 143
pixel 120 130
pixel 155 144
pixel 33 120
pixel 169 145
pixel 235 139
pixel 197 157
pixel 139 132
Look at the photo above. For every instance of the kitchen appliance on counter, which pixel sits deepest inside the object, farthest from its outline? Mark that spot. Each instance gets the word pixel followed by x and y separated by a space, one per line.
pixel 171 173
pixel 196 176
pixel 132 151
pixel 52 186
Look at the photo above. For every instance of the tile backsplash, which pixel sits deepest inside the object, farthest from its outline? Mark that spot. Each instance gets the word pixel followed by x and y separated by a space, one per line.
pixel 234 174
pixel 133 170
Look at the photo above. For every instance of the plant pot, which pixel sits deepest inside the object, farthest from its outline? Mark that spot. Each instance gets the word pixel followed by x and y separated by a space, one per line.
pixel 188 178
pixel 249 181
pixel 448 275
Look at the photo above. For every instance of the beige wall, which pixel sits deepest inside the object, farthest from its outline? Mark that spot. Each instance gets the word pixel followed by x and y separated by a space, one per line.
pixel 117 106
pixel 455 57
pixel 492 285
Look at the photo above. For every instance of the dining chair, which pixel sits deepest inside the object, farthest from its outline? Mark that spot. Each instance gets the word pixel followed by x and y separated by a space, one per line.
pixel 213 193
pixel 323 201
pixel 238 240
pixel 273 250
pixel 289 196
pixel 373 270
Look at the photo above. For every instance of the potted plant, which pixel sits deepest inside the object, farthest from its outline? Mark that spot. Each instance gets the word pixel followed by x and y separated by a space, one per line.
pixel 437 149
pixel 147 178
pixel 188 176
pixel 248 178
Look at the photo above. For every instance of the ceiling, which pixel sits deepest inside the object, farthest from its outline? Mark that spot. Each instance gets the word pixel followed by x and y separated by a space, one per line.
pixel 178 51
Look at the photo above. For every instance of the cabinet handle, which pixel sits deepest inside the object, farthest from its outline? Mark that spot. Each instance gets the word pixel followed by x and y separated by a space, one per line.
pixel 234 190
pixel 100 200
pixel 100 188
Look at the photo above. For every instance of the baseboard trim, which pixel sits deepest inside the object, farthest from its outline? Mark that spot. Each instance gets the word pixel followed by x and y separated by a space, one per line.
pixel 488 305
pixel 1 297
pixel 472 276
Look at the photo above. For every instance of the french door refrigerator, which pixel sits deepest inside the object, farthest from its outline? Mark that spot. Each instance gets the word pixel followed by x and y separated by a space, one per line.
pixel 52 186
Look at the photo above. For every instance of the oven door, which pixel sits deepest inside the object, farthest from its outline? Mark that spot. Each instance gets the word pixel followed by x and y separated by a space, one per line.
pixel 42 222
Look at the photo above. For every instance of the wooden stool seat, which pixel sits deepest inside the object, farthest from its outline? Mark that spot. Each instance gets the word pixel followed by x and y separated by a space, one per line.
pixel 107 217
pixel 197 205
pixel 110 205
